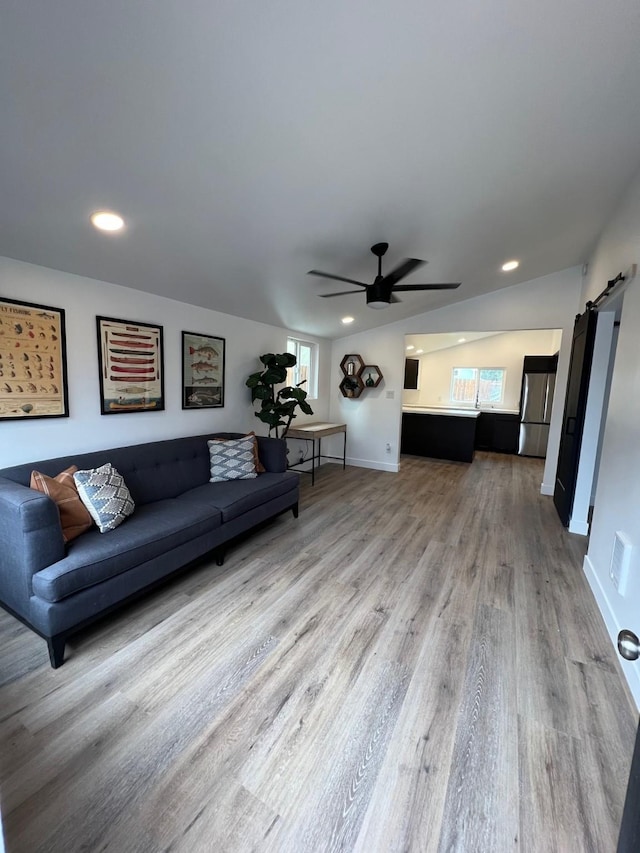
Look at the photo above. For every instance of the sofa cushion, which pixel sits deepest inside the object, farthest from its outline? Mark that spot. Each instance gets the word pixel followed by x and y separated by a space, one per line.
pixel 105 494
pixel 235 497
pixel 153 529
pixel 74 516
pixel 232 460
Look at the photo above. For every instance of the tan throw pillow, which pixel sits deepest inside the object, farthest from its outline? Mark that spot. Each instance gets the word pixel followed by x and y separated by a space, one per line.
pixel 62 490
pixel 260 469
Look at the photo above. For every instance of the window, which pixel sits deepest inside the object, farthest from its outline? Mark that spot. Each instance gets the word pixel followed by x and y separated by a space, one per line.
pixel 477 385
pixel 306 369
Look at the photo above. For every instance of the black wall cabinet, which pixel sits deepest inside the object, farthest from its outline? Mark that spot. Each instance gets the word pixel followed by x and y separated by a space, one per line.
pixel 411 373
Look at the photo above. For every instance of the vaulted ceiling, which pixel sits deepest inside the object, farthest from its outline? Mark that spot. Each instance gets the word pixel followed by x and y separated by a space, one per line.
pixel 246 142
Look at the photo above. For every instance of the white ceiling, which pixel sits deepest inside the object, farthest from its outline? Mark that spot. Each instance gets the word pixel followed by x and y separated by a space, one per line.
pixel 248 142
pixel 434 341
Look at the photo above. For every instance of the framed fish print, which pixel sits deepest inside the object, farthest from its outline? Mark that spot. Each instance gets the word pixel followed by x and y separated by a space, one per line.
pixel 33 363
pixel 202 371
pixel 130 356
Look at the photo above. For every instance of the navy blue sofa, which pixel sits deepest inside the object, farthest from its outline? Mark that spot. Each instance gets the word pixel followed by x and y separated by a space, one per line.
pixel 56 589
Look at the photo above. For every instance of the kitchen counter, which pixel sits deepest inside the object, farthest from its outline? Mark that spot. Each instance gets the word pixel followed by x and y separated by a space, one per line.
pixel 435 410
pixel 444 410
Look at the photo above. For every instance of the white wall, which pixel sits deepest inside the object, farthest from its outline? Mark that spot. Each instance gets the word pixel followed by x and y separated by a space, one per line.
pixel 373 420
pixel 506 350
pixel 86 429
pixel 617 500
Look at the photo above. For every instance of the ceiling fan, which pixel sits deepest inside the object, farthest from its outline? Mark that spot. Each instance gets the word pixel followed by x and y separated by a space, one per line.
pixel 382 292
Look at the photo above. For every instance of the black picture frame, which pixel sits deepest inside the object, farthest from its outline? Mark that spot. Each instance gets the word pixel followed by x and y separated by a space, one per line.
pixel 33 361
pixel 131 364
pixel 203 371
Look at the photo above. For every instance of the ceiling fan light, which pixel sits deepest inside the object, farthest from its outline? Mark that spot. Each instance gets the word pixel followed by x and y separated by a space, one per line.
pixel 378 295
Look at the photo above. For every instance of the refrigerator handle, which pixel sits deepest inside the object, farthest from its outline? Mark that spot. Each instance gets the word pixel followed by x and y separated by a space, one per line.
pixel 547 402
pixel 525 396
pixel 548 397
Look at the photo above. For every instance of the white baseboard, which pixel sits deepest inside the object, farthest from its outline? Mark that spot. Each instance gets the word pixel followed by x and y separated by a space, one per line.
pixel 630 670
pixel 581 527
pixel 393 467
pixel 546 489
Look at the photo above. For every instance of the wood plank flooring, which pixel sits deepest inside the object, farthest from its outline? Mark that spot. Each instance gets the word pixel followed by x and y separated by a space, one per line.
pixel 415 664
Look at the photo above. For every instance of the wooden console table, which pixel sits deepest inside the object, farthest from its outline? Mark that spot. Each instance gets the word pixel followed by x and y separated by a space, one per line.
pixel 318 431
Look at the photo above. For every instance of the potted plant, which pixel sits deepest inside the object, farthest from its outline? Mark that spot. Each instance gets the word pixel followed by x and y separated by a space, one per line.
pixel 277 408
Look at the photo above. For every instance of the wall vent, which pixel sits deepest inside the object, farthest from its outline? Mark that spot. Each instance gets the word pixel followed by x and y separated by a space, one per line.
pixel 620 560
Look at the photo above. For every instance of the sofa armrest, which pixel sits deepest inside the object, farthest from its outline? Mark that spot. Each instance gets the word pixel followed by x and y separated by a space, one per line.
pixel 272 453
pixel 30 539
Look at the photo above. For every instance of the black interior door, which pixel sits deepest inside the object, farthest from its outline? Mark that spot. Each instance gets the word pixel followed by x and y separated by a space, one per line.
pixel 629 838
pixel 584 333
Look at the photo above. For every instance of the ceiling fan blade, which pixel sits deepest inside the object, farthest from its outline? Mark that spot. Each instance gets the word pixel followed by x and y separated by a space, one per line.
pixel 403 269
pixel 336 277
pixel 340 293
pixel 449 286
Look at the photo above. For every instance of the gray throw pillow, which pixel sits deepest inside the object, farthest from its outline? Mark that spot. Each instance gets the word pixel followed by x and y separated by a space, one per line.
pixel 104 493
pixel 232 460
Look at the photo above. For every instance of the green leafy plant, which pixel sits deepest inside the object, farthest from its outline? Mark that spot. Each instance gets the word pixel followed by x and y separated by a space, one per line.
pixel 277 408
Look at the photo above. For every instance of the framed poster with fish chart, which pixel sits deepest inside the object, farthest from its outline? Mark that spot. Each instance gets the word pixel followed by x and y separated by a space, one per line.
pixel 131 366
pixel 33 361
pixel 202 371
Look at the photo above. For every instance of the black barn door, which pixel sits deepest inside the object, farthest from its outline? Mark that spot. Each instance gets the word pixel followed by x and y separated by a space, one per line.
pixel 575 405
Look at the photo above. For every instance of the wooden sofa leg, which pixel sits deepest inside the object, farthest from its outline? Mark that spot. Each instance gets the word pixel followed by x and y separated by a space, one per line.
pixel 294 510
pixel 220 556
pixel 56 650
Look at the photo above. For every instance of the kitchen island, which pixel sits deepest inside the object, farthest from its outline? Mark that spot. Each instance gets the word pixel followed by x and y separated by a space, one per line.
pixel 439 433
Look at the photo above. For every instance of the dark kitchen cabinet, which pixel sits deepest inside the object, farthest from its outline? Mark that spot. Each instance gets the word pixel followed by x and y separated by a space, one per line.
pixel 498 432
pixel 438 436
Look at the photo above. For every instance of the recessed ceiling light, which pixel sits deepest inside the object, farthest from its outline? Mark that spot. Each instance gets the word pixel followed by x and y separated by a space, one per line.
pixel 419 351
pixel 106 220
pixel 510 265
pixel 347 320
pixel 461 340
pixel 411 346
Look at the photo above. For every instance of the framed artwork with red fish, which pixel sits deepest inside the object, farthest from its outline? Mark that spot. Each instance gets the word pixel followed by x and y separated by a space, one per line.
pixel 202 371
pixel 130 356
pixel 33 361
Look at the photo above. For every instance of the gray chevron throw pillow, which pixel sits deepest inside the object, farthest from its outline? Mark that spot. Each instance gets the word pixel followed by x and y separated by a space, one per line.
pixel 104 493
pixel 232 460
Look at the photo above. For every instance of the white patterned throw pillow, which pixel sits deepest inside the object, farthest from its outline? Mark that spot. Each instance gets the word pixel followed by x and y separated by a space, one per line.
pixel 104 493
pixel 232 460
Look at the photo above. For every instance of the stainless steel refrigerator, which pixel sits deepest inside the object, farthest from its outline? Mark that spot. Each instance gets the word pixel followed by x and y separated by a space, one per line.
pixel 535 412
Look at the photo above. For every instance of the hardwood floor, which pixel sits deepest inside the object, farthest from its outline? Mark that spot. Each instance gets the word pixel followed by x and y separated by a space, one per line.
pixel 415 664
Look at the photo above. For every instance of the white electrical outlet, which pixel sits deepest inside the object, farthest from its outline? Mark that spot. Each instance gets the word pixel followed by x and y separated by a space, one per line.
pixel 390 395
pixel 388 448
